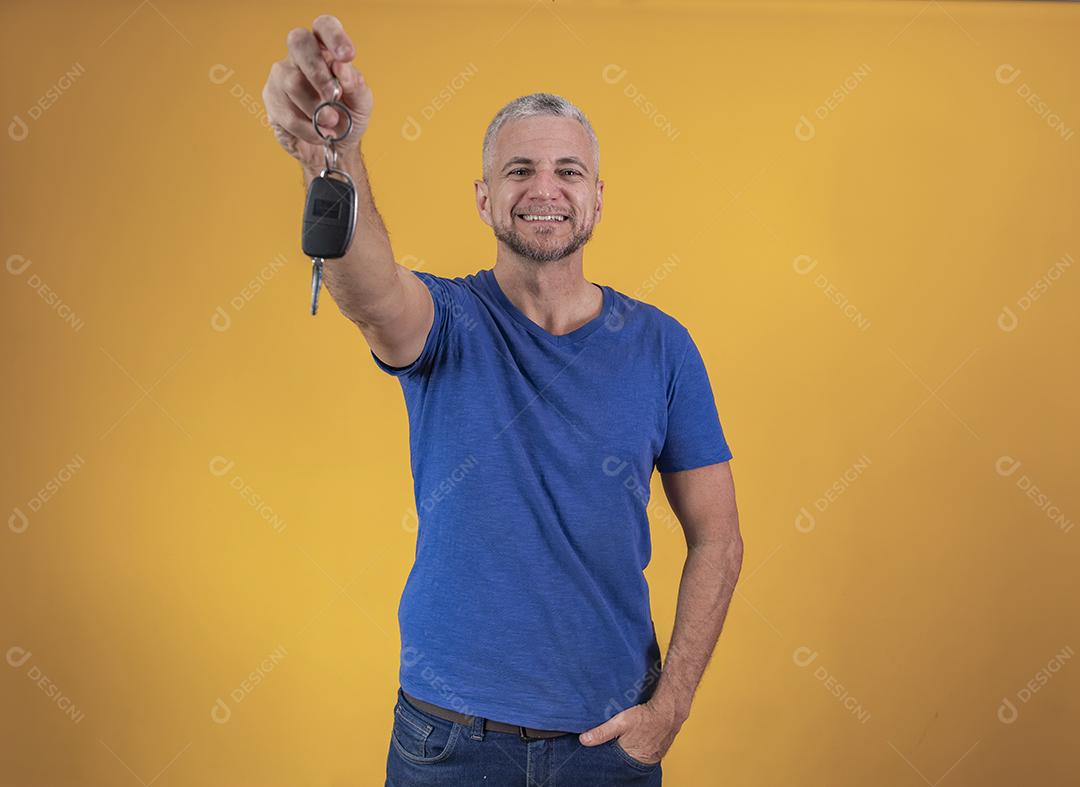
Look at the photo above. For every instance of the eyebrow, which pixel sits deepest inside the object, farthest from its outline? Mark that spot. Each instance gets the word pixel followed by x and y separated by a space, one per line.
pixel 530 162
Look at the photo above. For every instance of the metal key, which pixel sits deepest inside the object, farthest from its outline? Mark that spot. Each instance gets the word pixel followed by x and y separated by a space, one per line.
pixel 330 207
pixel 316 283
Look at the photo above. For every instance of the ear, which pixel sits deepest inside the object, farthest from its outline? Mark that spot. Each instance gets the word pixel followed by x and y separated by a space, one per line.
pixel 483 202
pixel 599 199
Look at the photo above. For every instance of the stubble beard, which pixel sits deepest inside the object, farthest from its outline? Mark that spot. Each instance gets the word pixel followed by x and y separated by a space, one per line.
pixel 536 252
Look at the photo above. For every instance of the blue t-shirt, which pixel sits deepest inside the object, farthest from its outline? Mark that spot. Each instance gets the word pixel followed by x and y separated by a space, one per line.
pixel 531 456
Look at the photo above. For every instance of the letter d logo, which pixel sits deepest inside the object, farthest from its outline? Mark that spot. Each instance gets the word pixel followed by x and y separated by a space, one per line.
pixel 805 521
pixel 18 521
pixel 16 264
pixel 1007 320
pixel 1007 712
pixel 17 656
pixel 221 712
pixel 17 129
pixel 411 129
pixel 219 466
pixel 1006 466
pixel 1007 74
pixel 803 264
pixel 219 74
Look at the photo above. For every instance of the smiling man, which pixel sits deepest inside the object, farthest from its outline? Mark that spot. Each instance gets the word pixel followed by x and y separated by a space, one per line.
pixel 536 229
pixel 539 405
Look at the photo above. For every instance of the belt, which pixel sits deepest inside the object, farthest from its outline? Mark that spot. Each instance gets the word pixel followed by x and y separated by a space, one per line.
pixel 526 733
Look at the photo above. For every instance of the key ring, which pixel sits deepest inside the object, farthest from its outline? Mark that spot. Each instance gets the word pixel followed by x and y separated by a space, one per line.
pixel 329 150
pixel 336 104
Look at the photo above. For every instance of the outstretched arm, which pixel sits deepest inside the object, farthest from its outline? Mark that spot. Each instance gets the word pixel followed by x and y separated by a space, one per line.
pixel 390 305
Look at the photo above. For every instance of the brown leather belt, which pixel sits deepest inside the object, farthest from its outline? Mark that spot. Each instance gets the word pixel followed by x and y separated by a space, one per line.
pixel 498 726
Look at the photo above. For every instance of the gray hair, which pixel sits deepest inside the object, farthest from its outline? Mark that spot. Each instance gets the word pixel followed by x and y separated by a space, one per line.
pixel 530 106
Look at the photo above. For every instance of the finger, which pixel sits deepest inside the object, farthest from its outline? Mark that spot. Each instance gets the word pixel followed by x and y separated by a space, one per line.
pixel 307 54
pixel 296 86
pixel 284 113
pixel 331 35
pixel 612 728
pixel 354 89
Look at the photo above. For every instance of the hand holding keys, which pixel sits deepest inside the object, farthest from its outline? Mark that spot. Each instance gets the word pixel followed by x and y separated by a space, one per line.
pixel 319 67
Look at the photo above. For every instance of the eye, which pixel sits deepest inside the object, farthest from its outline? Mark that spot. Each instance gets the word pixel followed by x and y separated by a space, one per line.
pixel 515 171
pixel 572 171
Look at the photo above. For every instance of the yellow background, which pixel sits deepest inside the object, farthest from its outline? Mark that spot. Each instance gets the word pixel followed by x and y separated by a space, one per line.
pixel 147 196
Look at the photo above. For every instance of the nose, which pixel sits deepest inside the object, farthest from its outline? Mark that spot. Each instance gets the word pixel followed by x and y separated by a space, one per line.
pixel 544 184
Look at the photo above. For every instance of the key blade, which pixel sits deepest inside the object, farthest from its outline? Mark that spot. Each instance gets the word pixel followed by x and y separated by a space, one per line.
pixel 316 284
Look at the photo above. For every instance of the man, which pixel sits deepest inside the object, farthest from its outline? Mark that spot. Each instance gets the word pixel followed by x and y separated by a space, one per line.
pixel 539 404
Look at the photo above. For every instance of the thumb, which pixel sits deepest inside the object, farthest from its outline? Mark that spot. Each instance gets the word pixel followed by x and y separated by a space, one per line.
pixel 612 728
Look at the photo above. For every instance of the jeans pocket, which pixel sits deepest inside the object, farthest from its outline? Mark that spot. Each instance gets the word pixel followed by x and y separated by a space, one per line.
pixel 420 737
pixel 630 760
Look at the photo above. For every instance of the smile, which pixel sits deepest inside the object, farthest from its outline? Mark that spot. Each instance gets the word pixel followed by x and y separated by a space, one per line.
pixel 541 217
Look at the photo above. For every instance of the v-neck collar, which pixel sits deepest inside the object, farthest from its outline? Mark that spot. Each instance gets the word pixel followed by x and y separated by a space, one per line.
pixel 488 276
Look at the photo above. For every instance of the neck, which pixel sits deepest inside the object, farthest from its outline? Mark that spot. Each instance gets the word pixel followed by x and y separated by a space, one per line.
pixel 554 295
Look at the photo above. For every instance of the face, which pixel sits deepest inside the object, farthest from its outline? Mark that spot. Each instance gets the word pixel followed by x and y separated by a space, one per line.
pixel 542 167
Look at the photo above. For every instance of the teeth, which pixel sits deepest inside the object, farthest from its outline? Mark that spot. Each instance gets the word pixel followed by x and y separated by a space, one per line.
pixel 531 217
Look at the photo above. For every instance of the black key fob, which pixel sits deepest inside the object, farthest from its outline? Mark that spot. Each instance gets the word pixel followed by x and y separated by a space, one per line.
pixel 329 218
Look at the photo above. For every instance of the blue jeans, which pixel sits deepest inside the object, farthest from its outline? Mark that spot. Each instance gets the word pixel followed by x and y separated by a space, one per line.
pixel 428 750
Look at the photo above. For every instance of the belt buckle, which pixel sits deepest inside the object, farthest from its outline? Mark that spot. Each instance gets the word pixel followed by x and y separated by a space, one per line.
pixel 524 737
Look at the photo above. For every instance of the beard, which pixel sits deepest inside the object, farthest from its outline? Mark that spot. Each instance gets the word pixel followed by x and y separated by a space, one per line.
pixel 542 250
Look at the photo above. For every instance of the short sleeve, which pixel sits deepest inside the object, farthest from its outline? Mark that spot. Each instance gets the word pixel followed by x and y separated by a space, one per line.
pixel 444 294
pixel 694 436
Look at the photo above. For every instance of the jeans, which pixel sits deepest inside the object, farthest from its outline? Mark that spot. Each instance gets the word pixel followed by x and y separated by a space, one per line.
pixel 428 750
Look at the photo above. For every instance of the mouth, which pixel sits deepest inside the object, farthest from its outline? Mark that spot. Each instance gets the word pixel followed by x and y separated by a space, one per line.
pixel 542 218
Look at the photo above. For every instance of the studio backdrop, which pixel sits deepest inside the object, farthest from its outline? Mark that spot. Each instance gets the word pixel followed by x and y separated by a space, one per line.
pixel 864 212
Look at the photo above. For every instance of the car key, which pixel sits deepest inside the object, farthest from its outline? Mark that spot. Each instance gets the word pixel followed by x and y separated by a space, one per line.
pixel 330 206
pixel 329 223
pixel 329 217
